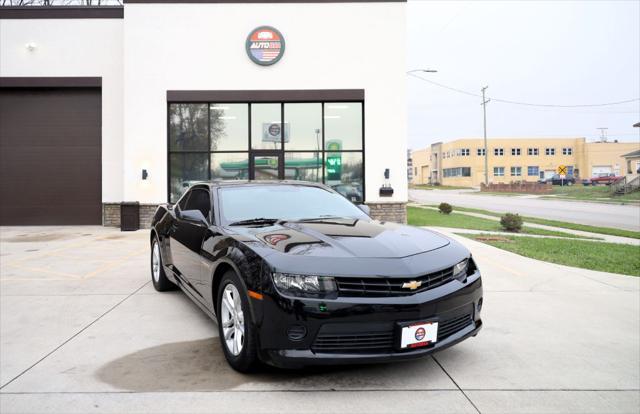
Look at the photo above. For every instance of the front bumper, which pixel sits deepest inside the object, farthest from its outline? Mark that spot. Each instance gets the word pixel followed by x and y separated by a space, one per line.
pixel 357 317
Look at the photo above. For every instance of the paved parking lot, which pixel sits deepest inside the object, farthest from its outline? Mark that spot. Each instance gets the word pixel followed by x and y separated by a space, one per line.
pixel 82 330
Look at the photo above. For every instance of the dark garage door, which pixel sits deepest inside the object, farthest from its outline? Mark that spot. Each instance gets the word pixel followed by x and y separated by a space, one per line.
pixel 50 162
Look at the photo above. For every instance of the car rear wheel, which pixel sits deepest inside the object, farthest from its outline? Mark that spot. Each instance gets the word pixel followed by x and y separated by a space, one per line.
pixel 158 276
pixel 235 327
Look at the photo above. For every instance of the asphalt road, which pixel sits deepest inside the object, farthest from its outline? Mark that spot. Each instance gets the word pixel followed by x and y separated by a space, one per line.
pixel 82 330
pixel 596 214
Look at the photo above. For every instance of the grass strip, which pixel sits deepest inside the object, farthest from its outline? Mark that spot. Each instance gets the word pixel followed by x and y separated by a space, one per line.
pixel 417 216
pixel 606 257
pixel 562 224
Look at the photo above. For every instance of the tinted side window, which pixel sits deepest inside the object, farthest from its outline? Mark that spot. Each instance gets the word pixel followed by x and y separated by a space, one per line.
pixel 199 200
pixel 183 201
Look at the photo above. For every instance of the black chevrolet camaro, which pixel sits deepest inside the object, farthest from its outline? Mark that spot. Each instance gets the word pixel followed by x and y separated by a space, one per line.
pixel 295 274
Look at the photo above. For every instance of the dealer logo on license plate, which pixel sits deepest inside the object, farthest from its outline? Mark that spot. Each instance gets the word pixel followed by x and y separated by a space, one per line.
pixel 419 334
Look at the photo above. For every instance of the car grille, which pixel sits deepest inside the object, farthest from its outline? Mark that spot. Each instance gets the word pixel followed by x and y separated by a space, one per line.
pixel 451 326
pixel 361 343
pixel 383 286
pixel 379 342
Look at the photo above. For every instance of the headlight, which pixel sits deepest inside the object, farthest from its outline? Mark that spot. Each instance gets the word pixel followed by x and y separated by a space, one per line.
pixel 460 270
pixel 304 285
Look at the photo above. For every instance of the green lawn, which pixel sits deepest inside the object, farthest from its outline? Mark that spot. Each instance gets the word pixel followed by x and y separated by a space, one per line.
pixel 592 193
pixel 427 217
pixel 607 257
pixel 563 224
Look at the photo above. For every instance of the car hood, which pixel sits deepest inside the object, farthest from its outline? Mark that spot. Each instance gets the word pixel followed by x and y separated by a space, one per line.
pixel 342 238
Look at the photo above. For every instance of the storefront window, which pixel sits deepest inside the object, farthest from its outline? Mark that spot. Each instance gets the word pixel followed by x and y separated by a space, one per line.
pixel 188 127
pixel 230 166
pixel 210 141
pixel 305 166
pixel 304 126
pixel 343 125
pixel 186 169
pixel 266 126
pixel 228 125
pixel 344 173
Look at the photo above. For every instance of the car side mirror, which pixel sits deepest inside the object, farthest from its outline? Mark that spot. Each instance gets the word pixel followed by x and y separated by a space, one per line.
pixel 193 215
pixel 365 209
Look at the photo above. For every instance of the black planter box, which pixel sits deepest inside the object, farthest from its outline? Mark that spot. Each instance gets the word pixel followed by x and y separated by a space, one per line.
pixel 129 216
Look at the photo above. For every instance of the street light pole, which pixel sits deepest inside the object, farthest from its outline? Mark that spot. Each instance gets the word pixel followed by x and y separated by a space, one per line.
pixel 486 151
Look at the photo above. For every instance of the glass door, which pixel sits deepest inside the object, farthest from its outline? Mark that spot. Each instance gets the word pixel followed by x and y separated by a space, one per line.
pixel 266 165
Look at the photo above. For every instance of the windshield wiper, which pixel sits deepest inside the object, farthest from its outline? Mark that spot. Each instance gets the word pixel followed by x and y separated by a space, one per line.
pixel 257 221
pixel 321 218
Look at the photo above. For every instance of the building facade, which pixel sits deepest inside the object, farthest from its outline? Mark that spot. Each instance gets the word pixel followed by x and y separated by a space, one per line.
pixel 135 103
pixel 461 162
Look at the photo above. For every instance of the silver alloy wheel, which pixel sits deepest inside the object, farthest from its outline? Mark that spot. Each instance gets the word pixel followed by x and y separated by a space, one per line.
pixel 232 319
pixel 155 262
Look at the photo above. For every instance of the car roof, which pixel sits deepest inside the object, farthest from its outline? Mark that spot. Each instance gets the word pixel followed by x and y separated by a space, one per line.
pixel 249 183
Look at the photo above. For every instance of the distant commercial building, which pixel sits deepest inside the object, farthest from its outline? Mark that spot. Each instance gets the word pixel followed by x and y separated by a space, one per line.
pixel 633 163
pixel 461 162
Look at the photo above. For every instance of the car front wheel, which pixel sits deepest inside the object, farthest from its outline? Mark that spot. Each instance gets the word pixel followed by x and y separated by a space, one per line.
pixel 158 276
pixel 236 330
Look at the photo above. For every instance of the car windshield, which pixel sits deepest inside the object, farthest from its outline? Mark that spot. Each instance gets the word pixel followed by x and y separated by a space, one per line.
pixel 286 202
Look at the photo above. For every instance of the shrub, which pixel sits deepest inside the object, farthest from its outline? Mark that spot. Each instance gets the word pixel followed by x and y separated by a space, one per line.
pixel 436 184
pixel 511 222
pixel 445 208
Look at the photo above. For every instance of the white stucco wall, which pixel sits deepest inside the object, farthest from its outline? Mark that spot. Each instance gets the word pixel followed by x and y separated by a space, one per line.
pixel 202 47
pixel 75 47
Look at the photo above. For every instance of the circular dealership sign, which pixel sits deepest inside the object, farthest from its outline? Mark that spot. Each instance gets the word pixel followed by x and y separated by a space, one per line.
pixel 265 45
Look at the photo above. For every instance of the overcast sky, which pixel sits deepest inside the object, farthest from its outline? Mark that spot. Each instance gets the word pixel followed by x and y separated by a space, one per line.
pixel 546 52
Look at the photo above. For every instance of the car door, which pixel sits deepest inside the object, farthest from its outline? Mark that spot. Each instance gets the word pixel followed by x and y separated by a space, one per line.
pixel 187 237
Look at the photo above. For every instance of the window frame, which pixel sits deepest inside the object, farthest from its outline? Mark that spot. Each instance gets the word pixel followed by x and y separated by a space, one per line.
pixel 498 152
pixel 249 151
pixel 498 175
pixel 516 152
pixel 513 169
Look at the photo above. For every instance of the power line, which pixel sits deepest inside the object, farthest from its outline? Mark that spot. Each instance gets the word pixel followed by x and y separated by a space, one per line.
pixel 522 103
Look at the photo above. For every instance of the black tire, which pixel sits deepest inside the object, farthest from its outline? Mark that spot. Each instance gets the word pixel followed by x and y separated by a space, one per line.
pixel 161 283
pixel 247 359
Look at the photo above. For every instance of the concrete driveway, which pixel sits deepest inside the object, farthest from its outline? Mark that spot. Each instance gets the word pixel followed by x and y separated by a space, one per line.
pixel 82 330
pixel 595 214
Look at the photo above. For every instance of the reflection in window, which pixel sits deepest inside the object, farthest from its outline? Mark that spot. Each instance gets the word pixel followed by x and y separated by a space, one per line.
pixel 304 126
pixel 188 127
pixel 230 166
pixel 186 169
pixel 344 173
pixel 266 126
pixel 343 125
pixel 305 166
pixel 228 123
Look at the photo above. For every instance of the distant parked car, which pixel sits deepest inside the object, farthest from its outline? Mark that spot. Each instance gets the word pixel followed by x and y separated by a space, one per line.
pixel 557 180
pixel 605 178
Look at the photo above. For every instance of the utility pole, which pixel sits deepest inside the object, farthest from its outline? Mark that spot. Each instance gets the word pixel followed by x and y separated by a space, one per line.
pixel 603 134
pixel 486 150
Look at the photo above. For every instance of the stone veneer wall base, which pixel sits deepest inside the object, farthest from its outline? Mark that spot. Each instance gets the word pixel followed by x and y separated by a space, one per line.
pixel 111 215
pixel 393 211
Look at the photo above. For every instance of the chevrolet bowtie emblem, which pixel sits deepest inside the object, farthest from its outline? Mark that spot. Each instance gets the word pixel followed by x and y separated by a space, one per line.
pixel 413 285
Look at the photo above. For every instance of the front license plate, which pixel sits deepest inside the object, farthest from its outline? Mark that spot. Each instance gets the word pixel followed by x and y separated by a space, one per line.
pixel 419 334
